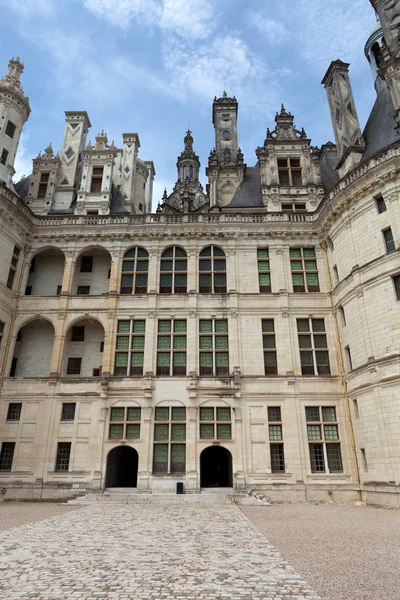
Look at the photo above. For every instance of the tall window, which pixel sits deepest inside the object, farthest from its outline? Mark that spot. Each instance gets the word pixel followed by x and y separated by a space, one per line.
pixel 303 265
pixel 214 349
pixel 135 269
pixel 86 264
pixel 125 423
pixel 212 271
pixel 289 171
pixel 129 354
pixel 68 411
pixel 74 366
pixel 264 272
pixel 2 326
pixel 389 241
pixel 215 423
pixel 171 347
pixel 63 456
pixel 3 157
pixel 44 180
pixel 14 411
pixel 97 178
pixel 10 129
pixel 6 455
pixel 380 204
pixel 173 271
pixel 169 440
pixel 276 439
pixel 323 439
pixel 269 346
pixel 396 281
pixel 314 356
pixel 13 267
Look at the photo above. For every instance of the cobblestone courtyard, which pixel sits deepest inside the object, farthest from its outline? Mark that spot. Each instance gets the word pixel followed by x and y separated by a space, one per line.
pixel 145 552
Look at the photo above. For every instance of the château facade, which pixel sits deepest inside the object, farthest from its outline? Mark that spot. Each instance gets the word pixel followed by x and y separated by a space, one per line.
pixel 244 335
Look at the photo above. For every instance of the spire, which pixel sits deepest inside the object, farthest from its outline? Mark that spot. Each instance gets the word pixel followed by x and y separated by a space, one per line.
pixel 188 140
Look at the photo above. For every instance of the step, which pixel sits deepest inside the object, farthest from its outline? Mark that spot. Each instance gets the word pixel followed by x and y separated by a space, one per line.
pixel 123 496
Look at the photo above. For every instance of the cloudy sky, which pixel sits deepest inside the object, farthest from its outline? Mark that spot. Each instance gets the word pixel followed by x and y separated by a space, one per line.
pixel 154 66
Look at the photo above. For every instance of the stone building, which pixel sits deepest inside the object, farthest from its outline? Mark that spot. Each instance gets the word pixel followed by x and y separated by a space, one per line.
pixel 244 335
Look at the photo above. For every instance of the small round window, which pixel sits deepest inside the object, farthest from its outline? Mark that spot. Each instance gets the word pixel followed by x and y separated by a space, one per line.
pixel 226 134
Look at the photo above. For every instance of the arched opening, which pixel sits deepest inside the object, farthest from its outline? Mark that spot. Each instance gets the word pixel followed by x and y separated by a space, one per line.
pixel 33 350
pixel 46 273
pixel 92 272
pixel 122 467
pixel 216 468
pixel 83 351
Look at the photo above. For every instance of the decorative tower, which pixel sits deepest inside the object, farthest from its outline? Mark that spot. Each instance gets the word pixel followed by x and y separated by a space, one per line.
pixel 188 194
pixel 46 168
pixel 225 164
pixel 387 52
pixel 14 112
pixel 346 126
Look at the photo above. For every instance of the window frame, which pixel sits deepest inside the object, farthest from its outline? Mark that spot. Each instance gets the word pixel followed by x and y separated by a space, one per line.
pixel 289 170
pixel 389 240
pixel 132 350
pixel 86 263
pixel 14 411
pixel 276 444
pixel 43 184
pixel 73 371
pixel 169 441
pixel 304 271
pixel 173 273
pixel 396 283
pixel 216 423
pixel 4 157
pixel 63 458
pixel 323 442
pixel 172 370
pixel 138 256
pixel 215 370
pixel 313 348
pixel 7 452
pixel 269 369
pixel 380 204
pixel 67 411
pixel 266 272
pixel 10 126
pixel 124 423
pixel 13 267
pixel 96 182
pixel 216 255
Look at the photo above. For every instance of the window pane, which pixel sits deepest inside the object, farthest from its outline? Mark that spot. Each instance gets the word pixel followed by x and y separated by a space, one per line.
pixel 164 326
pixel 274 413
pixel 224 432
pixel 277 458
pixel 133 431
pixel 305 341
pixel 206 414
pixel 124 326
pixel 165 282
pixel 320 341
pixel 138 342
pixel 205 265
pixel 317 458
pixel 206 359
pixel 303 325
pixel 206 251
pixel 270 359
pixel 160 458
pixel 180 359
pixel 268 341
pixel 297 279
pixel 142 265
pixel 318 325
pixel 205 326
pixel 137 359
pixel 331 432
pixel 178 433
pixel 296 265
pixel 314 432
pixel 121 359
pixel 223 414
pixel 162 413
pixel 178 458
pixel 219 280
pixel 308 252
pixel 311 265
pixel 306 359
pixel 123 343
pixel 334 458
pixel 133 414
pixel 206 431
pixel 161 432
pixel 180 326
pixel 117 414
pixel 221 326
pixel 264 279
pixel 168 252
pixel 322 358
pixel 221 342
pixel 275 432
pixel 164 342
pixel 262 253
pixel 163 359
pixel 166 265
pixel 178 413
pixel 206 342
pixel 295 253
pixel 267 325
pixel 222 359
pixel 128 265
pixel 263 265
pixel 180 265
pixel 312 413
pixel 179 341
pixel 328 413
pixel 139 326
pixel 116 432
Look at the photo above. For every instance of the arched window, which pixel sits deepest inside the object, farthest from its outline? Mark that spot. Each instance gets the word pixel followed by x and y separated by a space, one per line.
pixel 191 173
pixel 212 271
pixel 173 271
pixel 135 271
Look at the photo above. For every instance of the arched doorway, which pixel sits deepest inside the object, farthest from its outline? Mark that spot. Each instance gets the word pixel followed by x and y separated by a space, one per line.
pixel 122 467
pixel 215 467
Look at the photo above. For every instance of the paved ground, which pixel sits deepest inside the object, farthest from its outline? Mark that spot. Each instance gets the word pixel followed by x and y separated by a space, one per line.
pixel 19 513
pixel 150 552
pixel 345 552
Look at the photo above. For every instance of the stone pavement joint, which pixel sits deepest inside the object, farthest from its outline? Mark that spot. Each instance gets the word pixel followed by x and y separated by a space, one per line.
pixel 169 552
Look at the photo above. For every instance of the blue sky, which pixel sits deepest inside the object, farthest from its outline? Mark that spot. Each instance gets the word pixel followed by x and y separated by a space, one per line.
pixel 154 66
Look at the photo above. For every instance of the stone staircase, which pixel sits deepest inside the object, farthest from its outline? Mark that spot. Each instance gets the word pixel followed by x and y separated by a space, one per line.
pixel 212 496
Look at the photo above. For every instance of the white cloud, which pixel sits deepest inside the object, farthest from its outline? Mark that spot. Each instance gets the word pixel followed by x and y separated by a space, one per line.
pixel 331 30
pixel 198 73
pixel 273 31
pixel 23 159
pixel 186 18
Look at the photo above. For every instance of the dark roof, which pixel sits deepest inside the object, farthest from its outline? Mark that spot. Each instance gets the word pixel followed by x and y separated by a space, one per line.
pixel 328 162
pixel 249 193
pixel 379 132
pixel 117 202
pixel 22 187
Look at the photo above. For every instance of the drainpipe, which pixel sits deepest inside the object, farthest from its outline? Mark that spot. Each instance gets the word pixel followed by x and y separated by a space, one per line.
pixel 13 317
pixel 324 247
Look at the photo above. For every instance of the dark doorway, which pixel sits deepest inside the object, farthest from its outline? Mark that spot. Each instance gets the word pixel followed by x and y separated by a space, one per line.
pixel 215 467
pixel 122 467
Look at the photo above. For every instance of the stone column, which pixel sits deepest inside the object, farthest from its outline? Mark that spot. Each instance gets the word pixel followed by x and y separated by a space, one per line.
pixel 69 270
pixel 191 448
pixel 116 270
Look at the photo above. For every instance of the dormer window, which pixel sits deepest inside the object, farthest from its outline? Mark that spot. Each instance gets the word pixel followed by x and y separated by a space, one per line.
pixel 44 180
pixel 97 178
pixel 289 171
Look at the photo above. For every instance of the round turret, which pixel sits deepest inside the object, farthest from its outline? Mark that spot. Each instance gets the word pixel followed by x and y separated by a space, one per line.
pixel 373 52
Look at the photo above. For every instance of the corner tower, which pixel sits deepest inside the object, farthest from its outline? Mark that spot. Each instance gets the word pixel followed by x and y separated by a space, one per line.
pixel 14 112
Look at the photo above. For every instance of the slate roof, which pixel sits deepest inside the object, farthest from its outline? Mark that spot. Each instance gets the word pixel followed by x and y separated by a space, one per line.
pixel 379 132
pixel 249 194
